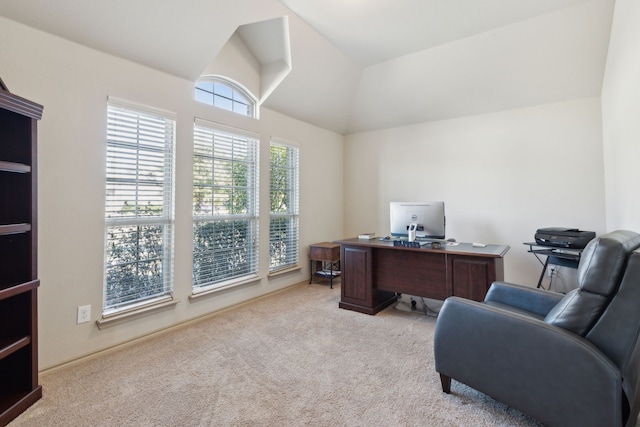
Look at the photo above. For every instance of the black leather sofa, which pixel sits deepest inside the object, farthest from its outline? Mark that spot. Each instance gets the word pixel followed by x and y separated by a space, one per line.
pixel 566 360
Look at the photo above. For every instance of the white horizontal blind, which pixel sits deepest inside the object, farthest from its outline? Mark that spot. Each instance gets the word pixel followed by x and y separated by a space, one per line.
pixel 139 206
pixel 225 206
pixel 284 212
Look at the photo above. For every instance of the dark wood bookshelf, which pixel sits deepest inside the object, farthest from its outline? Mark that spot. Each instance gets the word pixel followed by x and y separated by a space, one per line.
pixel 19 282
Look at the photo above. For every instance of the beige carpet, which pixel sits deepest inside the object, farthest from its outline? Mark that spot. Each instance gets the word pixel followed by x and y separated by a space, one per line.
pixel 290 359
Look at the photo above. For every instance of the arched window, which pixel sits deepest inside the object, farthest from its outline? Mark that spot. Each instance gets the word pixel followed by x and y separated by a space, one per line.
pixel 224 93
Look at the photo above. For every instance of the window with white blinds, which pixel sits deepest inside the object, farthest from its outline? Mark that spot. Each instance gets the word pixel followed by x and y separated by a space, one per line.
pixel 284 212
pixel 139 206
pixel 225 206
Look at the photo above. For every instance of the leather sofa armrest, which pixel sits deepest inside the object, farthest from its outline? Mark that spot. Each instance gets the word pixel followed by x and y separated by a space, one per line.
pixel 555 375
pixel 534 300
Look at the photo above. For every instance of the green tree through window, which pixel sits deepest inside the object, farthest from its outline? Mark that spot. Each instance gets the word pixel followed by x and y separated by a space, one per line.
pixel 139 206
pixel 225 206
pixel 283 214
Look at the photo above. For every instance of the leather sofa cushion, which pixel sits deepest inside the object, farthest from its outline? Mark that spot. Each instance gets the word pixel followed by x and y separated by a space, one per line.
pixel 604 259
pixel 577 311
pixel 599 274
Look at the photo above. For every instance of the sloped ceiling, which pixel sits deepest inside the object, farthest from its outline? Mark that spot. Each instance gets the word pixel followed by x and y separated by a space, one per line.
pixel 373 31
pixel 360 65
pixel 268 41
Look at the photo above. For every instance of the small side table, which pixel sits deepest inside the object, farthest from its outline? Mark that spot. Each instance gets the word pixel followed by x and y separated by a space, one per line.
pixel 321 253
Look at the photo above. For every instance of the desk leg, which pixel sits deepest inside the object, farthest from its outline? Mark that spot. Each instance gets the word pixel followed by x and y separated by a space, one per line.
pixel 310 270
pixel 544 270
pixel 331 275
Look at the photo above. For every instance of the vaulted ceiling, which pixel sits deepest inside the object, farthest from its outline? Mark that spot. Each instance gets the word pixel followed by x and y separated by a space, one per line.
pixel 359 65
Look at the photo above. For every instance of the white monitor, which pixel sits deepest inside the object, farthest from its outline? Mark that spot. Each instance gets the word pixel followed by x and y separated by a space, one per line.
pixel 429 216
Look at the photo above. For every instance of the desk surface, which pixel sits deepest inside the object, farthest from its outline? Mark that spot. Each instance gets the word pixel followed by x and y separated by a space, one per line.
pixel 459 248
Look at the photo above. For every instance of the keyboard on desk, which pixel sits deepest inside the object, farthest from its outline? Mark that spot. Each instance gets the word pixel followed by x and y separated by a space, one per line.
pixel 419 242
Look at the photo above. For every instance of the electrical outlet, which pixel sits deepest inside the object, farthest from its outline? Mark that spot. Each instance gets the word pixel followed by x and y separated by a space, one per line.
pixel 84 313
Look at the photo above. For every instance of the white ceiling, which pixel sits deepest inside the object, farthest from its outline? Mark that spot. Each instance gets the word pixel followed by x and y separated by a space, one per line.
pixel 360 65
pixel 372 31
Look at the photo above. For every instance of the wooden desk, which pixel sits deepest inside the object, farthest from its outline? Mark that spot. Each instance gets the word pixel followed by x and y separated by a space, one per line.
pixel 374 271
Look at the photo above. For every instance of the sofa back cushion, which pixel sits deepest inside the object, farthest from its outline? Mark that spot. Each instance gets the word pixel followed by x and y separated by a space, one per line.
pixel 617 332
pixel 599 274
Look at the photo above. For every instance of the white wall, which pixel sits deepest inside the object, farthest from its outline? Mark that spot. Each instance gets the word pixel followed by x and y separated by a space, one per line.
pixel 73 82
pixel 621 118
pixel 501 175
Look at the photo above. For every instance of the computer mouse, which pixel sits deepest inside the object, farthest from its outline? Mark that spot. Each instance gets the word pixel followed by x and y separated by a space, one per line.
pixel 451 239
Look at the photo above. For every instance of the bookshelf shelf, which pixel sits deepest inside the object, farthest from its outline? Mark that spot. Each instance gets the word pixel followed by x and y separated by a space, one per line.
pixel 19 284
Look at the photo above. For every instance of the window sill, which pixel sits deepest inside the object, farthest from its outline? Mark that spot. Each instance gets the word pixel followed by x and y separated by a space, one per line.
pixel 126 316
pixel 276 273
pixel 223 287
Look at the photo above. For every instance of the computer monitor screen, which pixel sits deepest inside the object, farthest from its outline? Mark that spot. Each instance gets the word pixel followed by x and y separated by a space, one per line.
pixel 429 216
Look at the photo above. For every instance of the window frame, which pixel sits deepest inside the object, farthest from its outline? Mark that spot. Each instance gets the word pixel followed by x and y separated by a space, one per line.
pixel 226 94
pixel 291 215
pixel 238 141
pixel 125 141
